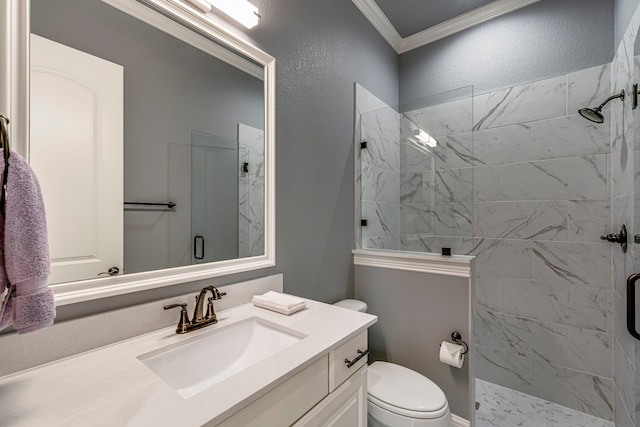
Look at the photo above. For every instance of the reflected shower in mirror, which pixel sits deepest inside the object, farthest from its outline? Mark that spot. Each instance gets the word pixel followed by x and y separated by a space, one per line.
pixel 122 111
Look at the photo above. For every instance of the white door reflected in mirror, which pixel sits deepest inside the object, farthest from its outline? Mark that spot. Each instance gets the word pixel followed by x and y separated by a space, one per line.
pixel 76 130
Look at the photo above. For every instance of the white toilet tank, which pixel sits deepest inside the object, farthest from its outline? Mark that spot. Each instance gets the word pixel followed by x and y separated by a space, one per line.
pixel 352 304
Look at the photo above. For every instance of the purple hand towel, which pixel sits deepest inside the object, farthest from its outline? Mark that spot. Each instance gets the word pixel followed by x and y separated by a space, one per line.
pixel 24 252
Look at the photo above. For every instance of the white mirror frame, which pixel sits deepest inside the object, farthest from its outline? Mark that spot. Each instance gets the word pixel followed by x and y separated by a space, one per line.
pixel 14 80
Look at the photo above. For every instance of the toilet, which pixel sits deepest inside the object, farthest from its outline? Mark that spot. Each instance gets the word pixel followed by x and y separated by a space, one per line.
pixel 398 396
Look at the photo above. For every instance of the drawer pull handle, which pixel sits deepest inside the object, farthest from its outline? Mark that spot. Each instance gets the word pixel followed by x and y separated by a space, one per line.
pixel 361 354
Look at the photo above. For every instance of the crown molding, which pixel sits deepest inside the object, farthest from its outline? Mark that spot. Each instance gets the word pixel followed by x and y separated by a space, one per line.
pixel 379 20
pixel 460 23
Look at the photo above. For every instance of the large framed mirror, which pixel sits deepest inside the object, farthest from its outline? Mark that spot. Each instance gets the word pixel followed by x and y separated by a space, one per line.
pixel 151 130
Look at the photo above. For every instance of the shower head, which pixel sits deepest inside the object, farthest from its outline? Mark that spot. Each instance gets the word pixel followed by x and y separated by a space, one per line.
pixel 594 114
pixel 591 114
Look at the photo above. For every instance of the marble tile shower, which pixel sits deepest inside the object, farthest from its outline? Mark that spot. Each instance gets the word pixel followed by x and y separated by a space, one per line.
pixel 250 191
pixel 624 157
pixel 522 182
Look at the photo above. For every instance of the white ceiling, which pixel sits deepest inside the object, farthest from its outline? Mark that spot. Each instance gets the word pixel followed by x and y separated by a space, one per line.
pixel 408 24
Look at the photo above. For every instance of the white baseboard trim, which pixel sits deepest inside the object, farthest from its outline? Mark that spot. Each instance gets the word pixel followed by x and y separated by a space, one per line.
pixel 457 421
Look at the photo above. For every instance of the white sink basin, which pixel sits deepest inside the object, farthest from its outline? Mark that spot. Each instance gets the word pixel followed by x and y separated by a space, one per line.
pixel 192 366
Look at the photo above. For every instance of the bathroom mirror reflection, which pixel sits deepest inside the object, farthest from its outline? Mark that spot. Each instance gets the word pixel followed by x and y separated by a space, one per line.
pixel 150 150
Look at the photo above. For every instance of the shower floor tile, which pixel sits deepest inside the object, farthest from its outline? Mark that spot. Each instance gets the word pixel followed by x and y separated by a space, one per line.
pixel 504 407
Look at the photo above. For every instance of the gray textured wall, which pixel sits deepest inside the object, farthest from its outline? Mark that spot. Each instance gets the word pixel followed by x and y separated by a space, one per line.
pixel 416 312
pixel 321 48
pixel 545 39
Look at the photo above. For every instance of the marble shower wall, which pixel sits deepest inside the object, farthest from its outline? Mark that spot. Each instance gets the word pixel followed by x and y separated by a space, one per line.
pixel 542 193
pixel 625 144
pixel 523 182
pixel 251 191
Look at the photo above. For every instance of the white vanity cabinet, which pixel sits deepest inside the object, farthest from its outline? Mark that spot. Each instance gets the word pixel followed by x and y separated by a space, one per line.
pixel 345 407
pixel 327 393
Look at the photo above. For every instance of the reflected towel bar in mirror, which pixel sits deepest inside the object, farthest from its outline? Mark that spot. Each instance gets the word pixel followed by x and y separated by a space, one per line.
pixel 169 205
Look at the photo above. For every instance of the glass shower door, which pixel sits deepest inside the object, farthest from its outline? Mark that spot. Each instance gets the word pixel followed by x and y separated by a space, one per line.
pixel 416 175
pixel 214 198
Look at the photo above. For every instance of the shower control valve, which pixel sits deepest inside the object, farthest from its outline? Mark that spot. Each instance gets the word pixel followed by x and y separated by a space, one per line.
pixel 620 238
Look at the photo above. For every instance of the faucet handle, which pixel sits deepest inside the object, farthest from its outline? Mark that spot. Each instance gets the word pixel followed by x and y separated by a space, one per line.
pixel 210 312
pixel 184 317
pixel 217 294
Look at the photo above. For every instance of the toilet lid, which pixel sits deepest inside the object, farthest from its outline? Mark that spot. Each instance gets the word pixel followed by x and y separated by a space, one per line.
pixel 403 388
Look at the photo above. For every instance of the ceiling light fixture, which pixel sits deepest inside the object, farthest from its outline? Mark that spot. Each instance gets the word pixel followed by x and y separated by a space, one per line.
pixel 240 10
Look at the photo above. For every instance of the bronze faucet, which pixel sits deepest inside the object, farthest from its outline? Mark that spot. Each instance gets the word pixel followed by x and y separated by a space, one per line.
pixel 198 321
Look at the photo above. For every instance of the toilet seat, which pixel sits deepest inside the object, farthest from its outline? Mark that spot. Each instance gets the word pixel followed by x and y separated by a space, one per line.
pixel 405 392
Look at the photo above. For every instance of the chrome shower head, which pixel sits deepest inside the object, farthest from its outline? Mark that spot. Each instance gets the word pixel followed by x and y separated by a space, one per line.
pixel 594 114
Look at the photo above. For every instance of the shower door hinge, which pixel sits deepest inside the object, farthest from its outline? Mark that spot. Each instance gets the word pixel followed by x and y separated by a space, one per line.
pixel 363 223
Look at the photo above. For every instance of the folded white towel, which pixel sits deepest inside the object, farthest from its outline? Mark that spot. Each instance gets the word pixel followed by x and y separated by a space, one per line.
pixel 281 303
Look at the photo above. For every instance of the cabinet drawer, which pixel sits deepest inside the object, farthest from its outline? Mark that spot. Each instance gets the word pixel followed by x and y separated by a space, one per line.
pixel 338 369
pixel 286 403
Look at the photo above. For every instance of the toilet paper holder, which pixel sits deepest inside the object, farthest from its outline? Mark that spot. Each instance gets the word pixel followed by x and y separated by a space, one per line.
pixel 457 338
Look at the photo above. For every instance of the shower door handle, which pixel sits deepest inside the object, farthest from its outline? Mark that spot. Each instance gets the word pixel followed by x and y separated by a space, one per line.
pixel 631 305
pixel 195 247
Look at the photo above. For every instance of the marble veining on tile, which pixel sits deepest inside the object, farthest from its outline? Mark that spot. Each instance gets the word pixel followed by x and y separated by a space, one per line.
pixel 380 131
pixel 574 178
pixel 588 88
pixel 510 258
pixel 383 219
pixel 379 184
pixel 574 263
pixel 506 144
pixel 417 218
pixel 572 305
pixel 624 376
pixel 453 219
pixel 453 185
pixel 588 220
pixel 522 220
pixel 448 118
pixel 569 136
pixel 525 103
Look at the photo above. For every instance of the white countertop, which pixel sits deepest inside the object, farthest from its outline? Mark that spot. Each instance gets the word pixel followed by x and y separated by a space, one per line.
pixel 109 386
